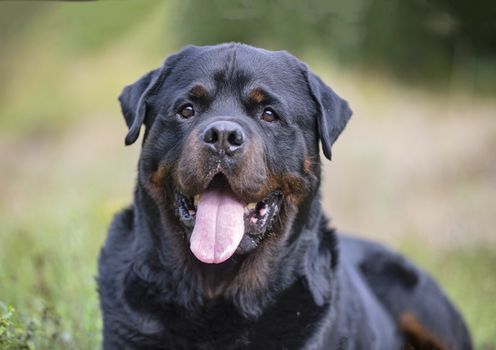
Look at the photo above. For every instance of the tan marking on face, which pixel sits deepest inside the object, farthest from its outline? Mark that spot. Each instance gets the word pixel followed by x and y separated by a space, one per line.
pixel 157 177
pixel 199 91
pixel 257 95
pixel 156 182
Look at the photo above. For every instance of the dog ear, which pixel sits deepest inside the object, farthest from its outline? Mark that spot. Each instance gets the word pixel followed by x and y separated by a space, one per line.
pixel 332 111
pixel 134 97
pixel 133 103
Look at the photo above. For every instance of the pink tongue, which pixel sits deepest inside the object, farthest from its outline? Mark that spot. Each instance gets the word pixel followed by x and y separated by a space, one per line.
pixel 219 226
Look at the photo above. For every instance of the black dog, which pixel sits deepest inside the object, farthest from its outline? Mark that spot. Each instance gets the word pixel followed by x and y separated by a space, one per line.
pixel 226 246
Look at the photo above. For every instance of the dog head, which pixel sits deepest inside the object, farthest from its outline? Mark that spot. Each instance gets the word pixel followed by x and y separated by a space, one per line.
pixel 230 154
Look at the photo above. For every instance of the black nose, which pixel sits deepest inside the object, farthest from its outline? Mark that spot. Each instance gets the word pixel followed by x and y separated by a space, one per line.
pixel 224 137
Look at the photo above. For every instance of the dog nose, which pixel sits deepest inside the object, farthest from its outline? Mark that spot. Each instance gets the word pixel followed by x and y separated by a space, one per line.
pixel 224 136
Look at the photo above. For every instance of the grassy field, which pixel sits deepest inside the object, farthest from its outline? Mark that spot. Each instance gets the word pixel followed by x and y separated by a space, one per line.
pixel 415 169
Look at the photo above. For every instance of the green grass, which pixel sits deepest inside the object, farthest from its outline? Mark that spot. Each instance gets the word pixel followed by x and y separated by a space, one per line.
pixel 48 264
pixel 42 330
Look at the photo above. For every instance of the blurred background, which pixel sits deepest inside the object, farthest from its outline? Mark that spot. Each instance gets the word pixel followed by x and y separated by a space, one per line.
pixel 415 168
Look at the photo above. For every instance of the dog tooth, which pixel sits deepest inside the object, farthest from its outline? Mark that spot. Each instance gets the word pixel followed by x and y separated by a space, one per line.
pixel 251 205
pixel 254 220
pixel 196 199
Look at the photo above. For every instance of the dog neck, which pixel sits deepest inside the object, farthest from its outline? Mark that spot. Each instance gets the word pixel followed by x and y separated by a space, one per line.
pixel 249 282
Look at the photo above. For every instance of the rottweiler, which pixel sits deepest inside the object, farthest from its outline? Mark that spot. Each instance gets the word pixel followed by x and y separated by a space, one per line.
pixel 226 246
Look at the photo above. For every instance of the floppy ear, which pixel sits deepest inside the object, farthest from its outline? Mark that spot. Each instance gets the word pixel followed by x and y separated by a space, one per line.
pixel 134 97
pixel 332 111
pixel 133 103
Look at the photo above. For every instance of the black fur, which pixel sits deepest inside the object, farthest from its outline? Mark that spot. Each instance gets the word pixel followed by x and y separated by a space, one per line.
pixel 296 286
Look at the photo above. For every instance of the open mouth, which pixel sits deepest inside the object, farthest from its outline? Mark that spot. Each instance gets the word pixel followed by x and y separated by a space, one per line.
pixel 218 219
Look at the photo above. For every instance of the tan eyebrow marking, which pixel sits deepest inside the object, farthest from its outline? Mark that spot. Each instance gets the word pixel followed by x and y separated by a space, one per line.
pixel 257 95
pixel 198 91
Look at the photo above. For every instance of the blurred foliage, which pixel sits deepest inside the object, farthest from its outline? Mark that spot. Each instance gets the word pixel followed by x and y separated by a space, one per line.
pixel 437 43
pixel 476 20
pixel 416 40
pixel 54 49
pixel 41 330
pixel 79 28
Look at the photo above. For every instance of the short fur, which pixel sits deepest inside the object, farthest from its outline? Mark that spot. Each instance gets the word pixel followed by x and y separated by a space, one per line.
pixel 299 285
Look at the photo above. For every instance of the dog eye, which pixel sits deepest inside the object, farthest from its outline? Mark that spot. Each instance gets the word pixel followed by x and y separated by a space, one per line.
pixel 268 115
pixel 187 111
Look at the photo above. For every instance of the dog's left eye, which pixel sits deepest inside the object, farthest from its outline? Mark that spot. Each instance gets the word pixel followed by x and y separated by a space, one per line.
pixel 187 111
pixel 268 115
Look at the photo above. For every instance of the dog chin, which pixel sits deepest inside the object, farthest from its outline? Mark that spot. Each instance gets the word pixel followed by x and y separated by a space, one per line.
pixel 219 223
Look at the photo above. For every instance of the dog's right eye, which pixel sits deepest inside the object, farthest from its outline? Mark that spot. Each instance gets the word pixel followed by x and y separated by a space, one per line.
pixel 186 111
pixel 268 115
